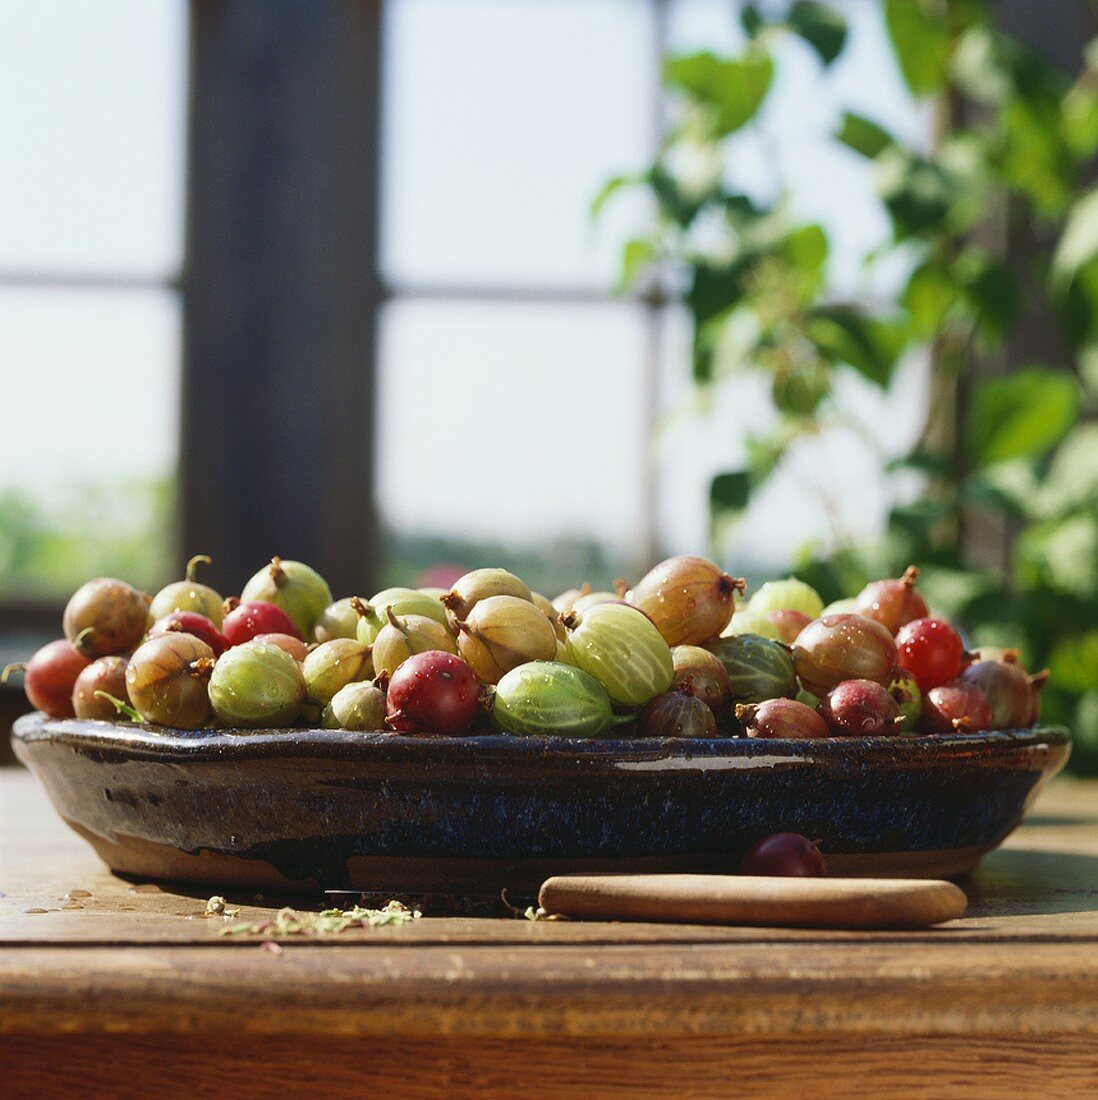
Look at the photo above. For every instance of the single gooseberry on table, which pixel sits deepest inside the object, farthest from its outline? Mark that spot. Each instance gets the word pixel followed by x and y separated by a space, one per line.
pixel 102 678
pixel 957 706
pixel 189 595
pixel 676 713
pixel 551 699
pixel 295 587
pixel 105 616
pixel 860 708
pixel 786 855
pixel 252 618
pixel 190 622
pixel 167 680
pixel 780 718
pixel 893 603
pixel 843 647
pixel 702 674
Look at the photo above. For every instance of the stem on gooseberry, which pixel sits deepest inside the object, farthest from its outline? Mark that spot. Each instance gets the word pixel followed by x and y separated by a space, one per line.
pixel 727 584
pixel 203 666
pixel 620 587
pixel 122 708
pixel 911 575
pixel 361 608
pixel 570 619
pixel 17 666
pixel 381 680
pixel 193 564
pixel 1038 680
pixel 230 604
pixel 82 637
pixel 278 574
pixel 395 622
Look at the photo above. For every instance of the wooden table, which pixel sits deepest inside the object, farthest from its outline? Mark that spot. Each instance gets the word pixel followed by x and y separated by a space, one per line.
pixel 120 989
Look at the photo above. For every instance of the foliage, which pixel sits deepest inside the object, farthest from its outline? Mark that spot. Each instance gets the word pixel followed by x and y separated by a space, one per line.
pixel 1023 459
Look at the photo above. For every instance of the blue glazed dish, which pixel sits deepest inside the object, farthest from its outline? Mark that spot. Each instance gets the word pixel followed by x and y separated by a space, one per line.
pixel 311 810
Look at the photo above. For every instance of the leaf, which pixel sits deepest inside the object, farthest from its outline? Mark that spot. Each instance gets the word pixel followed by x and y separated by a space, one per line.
pixel 822 27
pixel 1078 243
pixel 920 39
pixel 751 20
pixel 636 256
pixel 729 494
pixel 1023 415
pixel 610 188
pixel 863 135
pixel 805 248
pixel 918 193
pixel 731 88
pixel 991 291
pixel 871 347
pixel 929 296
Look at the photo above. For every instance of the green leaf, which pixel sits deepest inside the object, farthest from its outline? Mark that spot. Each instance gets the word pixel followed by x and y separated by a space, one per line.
pixel 920 194
pixel 991 291
pixel 920 39
pixel 822 27
pixel 610 188
pixel 1023 415
pixel 1078 243
pixel 751 20
pixel 863 135
pixel 729 494
pixel 871 347
pixel 929 296
pixel 805 248
pixel 636 256
pixel 732 89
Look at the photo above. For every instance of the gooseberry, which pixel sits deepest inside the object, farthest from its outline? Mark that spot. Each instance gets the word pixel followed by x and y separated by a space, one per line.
pixel 190 622
pixel 591 599
pixel 903 687
pixel 167 679
pixel 690 600
pixel 357 706
pixel 786 718
pixel 846 606
pixel 337 620
pixel 752 622
pixel 701 673
pixel 404 635
pixel 790 594
pixel 784 854
pixel 860 708
pixel 1008 690
pixel 189 595
pixel 433 692
pixel 248 620
pixel 676 714
pixel 622 649
pixel 373 614
pixel 502 632
pixel 758 668
pixel 843 647
pixel 257 684
pixel 892 603
pixel 107 675
pixel 931 650
pixel 295 647
pixel 565 600
pixel 478 585
pixel 547 698
pixel 295 587
pixel 49 677
pixel 956 706
pixel 335 664
pixel 105 616
pixel 787 623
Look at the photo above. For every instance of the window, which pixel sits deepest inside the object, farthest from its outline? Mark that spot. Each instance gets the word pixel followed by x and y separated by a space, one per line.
pixel 91 203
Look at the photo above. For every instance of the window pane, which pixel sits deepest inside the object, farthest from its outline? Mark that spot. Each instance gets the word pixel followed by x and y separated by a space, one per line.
pixel 91 131
pixel 502 121
pixel 89 459
pixel 512 434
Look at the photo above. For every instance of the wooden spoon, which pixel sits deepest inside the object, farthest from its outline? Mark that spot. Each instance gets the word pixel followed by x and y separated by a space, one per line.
pixel 744 899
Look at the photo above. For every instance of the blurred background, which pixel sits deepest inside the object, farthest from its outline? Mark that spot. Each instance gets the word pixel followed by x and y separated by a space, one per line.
pixel 562 285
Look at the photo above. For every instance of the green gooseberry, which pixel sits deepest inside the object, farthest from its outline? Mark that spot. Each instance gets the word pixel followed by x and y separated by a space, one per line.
pixel 257 684
pixel 295 587
pixel 848 606
pixel 758 668
pixel 622 648
pixel 750 621
pixel 357 706
pixel 787 595
pixel 337 620
pixel 373 614
pixel 189 595
pixel 332 665
pixel 904 688
pixel 546 698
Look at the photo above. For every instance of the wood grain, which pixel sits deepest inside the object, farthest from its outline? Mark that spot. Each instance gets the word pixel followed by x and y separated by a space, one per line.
pixel 127 996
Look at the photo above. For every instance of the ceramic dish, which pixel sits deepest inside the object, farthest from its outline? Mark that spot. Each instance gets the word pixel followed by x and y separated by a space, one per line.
pixel 306 809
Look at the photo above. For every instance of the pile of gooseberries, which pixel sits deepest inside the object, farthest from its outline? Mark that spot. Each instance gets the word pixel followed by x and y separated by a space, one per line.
pixel 681 654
